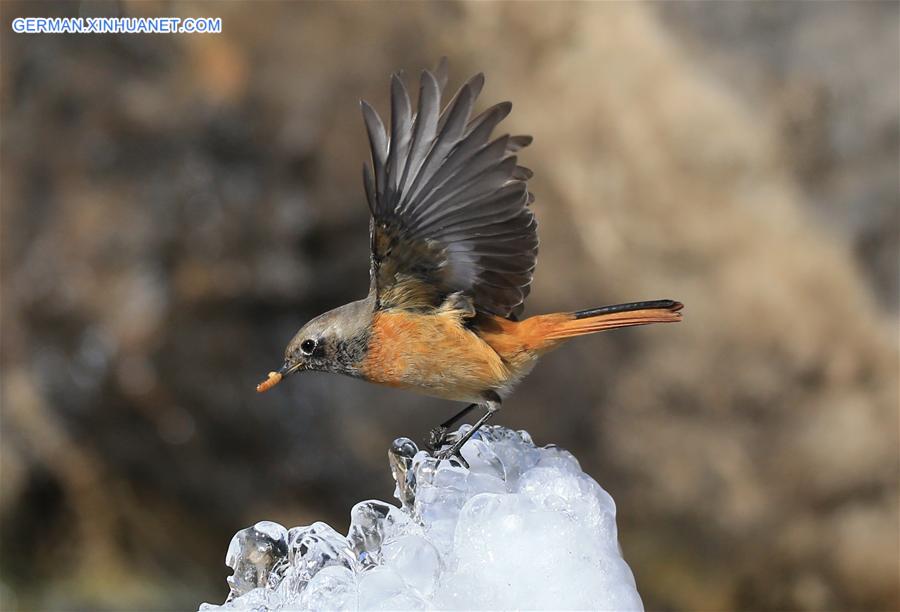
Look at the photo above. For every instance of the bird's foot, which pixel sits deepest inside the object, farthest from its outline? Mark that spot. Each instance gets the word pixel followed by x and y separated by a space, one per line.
pixel 437 438
pixel 452 454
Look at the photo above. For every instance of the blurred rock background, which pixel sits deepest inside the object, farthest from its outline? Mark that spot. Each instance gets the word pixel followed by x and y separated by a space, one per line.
pixel 175 206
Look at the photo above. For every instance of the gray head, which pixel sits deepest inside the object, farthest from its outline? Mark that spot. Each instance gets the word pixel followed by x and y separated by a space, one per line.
pixel 332 342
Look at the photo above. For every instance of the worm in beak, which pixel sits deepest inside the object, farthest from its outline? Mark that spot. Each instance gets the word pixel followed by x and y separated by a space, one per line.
pixel 273 379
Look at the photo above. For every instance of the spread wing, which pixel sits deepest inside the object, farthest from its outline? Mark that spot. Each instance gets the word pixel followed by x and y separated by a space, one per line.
pixel 449 206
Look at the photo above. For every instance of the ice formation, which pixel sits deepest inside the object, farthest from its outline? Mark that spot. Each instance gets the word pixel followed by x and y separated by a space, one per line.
pixel 521 527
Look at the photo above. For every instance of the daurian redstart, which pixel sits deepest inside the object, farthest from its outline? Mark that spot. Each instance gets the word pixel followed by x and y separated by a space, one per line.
pixel 454 245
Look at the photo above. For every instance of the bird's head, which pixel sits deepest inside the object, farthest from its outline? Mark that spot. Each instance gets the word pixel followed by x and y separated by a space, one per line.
pixel 332 342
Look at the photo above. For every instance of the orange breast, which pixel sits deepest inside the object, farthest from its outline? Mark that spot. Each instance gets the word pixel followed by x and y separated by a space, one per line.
pixel 434 354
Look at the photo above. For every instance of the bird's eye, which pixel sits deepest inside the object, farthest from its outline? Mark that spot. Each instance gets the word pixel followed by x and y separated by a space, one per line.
pixel 308 346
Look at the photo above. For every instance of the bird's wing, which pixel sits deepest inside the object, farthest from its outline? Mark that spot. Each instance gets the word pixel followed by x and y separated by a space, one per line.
pixel 449 206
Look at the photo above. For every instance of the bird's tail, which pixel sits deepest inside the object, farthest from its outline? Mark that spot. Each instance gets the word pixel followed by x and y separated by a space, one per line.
pixel 554 328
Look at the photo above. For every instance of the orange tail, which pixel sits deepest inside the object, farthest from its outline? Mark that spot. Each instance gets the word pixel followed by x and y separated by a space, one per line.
pixel 558 327
pixel 519 342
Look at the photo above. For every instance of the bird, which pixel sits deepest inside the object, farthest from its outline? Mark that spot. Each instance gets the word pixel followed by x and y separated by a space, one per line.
pixel 453 250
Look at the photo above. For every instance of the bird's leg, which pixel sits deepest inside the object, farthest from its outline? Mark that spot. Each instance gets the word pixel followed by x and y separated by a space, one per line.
pixel 492 406
pixel 437 435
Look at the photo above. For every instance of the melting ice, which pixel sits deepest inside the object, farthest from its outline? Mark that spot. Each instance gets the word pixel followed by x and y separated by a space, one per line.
pixel 521 527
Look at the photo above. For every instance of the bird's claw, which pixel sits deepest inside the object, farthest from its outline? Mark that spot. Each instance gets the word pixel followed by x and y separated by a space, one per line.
pixel 439 436
pixel 451 453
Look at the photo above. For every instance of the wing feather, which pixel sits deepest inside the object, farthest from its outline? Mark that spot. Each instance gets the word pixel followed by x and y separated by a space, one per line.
pixel 369 186
pixel 378 143
pixel 425 128
pixel 401 133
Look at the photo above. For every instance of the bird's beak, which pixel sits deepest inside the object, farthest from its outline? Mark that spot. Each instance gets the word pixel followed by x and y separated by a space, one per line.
pixel 275 377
